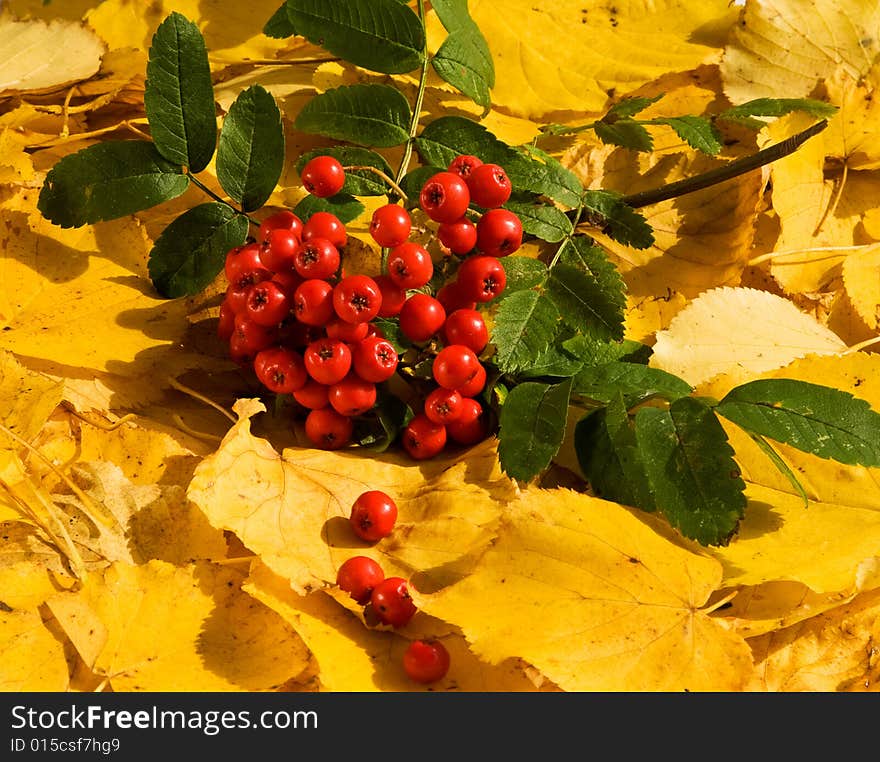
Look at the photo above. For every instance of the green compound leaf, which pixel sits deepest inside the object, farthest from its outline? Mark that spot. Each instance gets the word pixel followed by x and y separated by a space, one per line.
pixel 597 352
pixel 629 107
pixel 542 221
pixel 179 94
pixel 619 220
pixel 608 454
pixel 379 35
pixel 250 155
pixel 279 26
pixel 633 382
pixel 695 481
pixel 817 419
pixel 368 115
pixel 697 131
pixel 107 181
pixel 532 427
pixel 776 107
pixel 625 133
pixel 588 290
pixel 525 325
pixel 192 250
pixel 522 273
pixel 358 182
pixel 345 207
pixel 553 362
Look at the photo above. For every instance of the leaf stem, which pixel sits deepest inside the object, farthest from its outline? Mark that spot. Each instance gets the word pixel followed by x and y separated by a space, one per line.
pixel 195 181
pixel 417 106
pixel 378 172
pixel 576 218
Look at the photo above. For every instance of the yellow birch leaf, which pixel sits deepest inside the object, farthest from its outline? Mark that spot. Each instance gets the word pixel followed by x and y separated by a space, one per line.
pixel 646 315
pixel 39 55
pixel 787 47
pixel 292 509
pixel 26 585
pixel 607 47
pixel 159 627
pixel 741 332
pixel 853 131
pixel 15 164
pixel 823 654
pixel 594 599
pixel 27 400
pixel 355 658
pixel 33 660
pixel 861 279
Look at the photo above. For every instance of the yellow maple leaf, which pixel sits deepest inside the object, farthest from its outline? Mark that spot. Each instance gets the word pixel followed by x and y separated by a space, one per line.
pixel 33 660
pixel 594 599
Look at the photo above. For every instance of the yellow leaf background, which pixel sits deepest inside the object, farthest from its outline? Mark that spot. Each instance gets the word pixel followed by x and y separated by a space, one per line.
pixel 161 529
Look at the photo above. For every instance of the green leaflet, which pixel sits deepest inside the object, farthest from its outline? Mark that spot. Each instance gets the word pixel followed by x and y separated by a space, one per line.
pixel 525 325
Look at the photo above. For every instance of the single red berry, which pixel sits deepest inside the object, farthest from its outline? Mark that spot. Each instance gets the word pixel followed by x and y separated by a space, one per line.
pixel 455 365
pixel 445 197
pixel 476 384
pixel 459 237
pixel 285 220
pixel 374 359
pixel 481 278
pixel 373 515
pixel 357 299
pixel 236 298
pixel 280 370
pixel 323 176
pixel 254 336
pixel 358 576
pixel 244 266
pixel 421 317
pixel 410 265
pixel 327 360
pixel 426 661
pixel 390 225
pixel 422 438
pixel 499 233
pixel 226 322
pixel 464 164
pixel 471 426
pixel 393 296
pixel 489 186
pixel 278 249
pixel 347 332
pixel 466 326
pixel 443 405
pixel 313 395
pixel 267 303
pixel 452 299
pixel 325 225
pixel 392 602
pixel 316 258
pixel 241 352
pixel 327 429
pixel 289 280
pixel 313 302
pixel 352 395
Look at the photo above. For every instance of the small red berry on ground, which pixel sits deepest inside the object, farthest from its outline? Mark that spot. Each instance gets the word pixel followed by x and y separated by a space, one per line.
pixel 392 603
pixel 373 515
pixel 357 576
pixel 426 661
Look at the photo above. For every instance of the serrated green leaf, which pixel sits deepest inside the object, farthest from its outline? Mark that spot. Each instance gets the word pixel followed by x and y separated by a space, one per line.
pixel 413 182
pixel 695 481
pixel 250 154
pixel 279 26
pixel 456 18
pixel 464 61
pixel 697 132
pixel 553 362
pixel 636 383
pixel 179 94
pixel 545 175
pixel 827 422
pixel 588 290
pixel 592 351
pixel 522 273
pixel 379 35
pixel 345 207
pixel 608 454
pixel 358 182
pixel 541 220
pixel 625 133
pixel 623 223
pixel 532 427
pixel 524 326
pixel 368 115
pixel 390 329
pixel 192 250
pixel 629 107
pixel 781 466
pixel 107 181
pixel 775 107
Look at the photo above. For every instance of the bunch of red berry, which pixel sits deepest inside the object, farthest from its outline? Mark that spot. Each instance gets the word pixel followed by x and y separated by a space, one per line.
pixel 386 600
pixel 308 329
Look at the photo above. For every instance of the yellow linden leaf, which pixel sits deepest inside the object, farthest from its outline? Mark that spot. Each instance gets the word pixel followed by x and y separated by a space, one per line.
pixel 787 47
pixel 33 660
pixel 27 400
pixel 26 584
pixel 15 164
pixel 607 47
pixel 741 332
pixel 826 653
pixel 861 279
pixel 292 509
pixel 39 55
pixel 159 627
pixel 853 131
pixel 595 599
pixel 353 657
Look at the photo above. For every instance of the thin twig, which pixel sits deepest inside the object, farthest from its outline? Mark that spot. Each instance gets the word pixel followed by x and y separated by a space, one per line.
pixel 378 172
pixel 200 397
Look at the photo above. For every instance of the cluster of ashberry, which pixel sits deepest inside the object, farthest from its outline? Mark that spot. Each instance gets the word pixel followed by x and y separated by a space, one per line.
pixel 386 600
pixel 307 328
